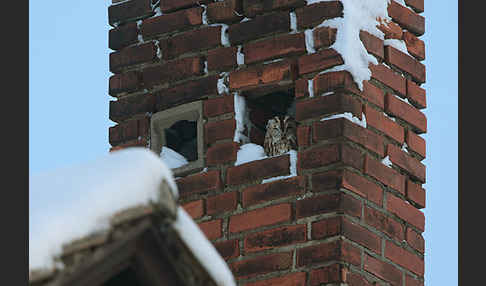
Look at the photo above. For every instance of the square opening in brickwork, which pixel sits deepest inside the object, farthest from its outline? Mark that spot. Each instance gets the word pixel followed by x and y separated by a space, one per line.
pixel 177 135
pixel 265 107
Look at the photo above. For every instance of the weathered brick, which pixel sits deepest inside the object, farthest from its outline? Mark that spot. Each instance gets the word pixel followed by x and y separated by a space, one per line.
pixel 303 136
pixel 384 174
pixel 260 169
pixel 373 94
pixel 222 153
pixel 324 37
pixel 356 279
pixel 406 162
pixel 144 53
pixel 172 5
pixel 417 5
pixel 360 235
pixel 218 106
pixel 329 154
pixel 326 228
pixel 199 183
pixel 255 7
pixel 415 143
pixel 263 74
pixel 195 209
pixel 406 211
pixel 344 128
pixel 384 223
pixel 335 81
pixel 404 258
pixel 228 248
pixel 415 193
pixel 383 270
pixel 219 130
pixel 176 21
pixel 321 106
pixel 123 36
pixel 378 120
pixel 260 217
pixel 415 46
pixel 124 108
pixel 373 44
pixel 128 130
pixel 275 47
pixel 391 30
pixel 406 18
pixel 124 83
pixel 330 274
pixel 261 265
pixel 129 11
pixel 222 59
pixel 406 112
pixel 415 240
pixel 389 78
pixel 212 229
pixel 340 202
pixel 314 14
pixel 410 281
pixel 336 250
pixel 319 61
pixel 259 26
pixel 277 237
pixel 292 279
pixel 221 203
pixel 416 94
pixel 228 11
pixel 172 71
pixel 193 41
pixel 405 63
pixel 273 190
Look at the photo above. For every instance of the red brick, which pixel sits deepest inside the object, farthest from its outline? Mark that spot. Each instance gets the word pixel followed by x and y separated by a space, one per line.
pixel 260 217
pixel 186 92
pixel 221 203
pixel 335 81
pixel 383 270
pixel 212 229
pixel 292 279
pixel 225 11
pixel 270 191
pixel 222 59
pixel 177 21
pixel 193 41
pixel 373 44
pixel 172 5
pixel 324 37
pixel 373 94
pixel 404 258
pixel 405 63
pixel 321 106
pixel 199 183
pixel 195 209
pixel 406 18
pixel 228 249
pixel 262 74
pixel 416 194
pixel 222 153
pixel 336 250
pixel 384 174
pixel 328 203
pixel 384 223
pixel 172 71
pixel 378 120
pixel 303 136
pixel 260 169
pixel 251 8
pixel 355 279
pixel 218 106
pixel 329 154
pixel 391 30
pixel 123 36
pixel 389 78
pixel 342 127
pixel 415 240
pixel 301 88
pixel 258 27
pixel 319 61
pixel 124 83
pixel 406 112
pixel 410 281
pixel 326 228
pixel 416 94
pixel 314 14
pixel 275 47
pixel 277 237
pixel 129 11
pixel 406 211
pixel 330 274
pixel 219 130
pixel 125 108
pixel 406 162
pixel 144 53
pixel 417 5
pixel 415 46
pixel 415 143
pixel 128 130
pixel 134 143
pixel 261 265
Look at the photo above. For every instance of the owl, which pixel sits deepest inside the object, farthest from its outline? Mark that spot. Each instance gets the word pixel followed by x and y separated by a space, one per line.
pixel 280 136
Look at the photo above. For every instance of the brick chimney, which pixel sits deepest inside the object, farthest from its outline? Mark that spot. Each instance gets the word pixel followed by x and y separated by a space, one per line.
pixel 350 212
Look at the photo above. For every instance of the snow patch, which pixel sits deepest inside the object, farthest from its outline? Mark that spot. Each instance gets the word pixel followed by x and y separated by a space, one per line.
pixel 386 161
pixel 158 12
pixel 222 87
pixel 159 51
pixel 241 118
pixel 205 66
pixel 309 41
pixel 293 22
pixel 245 19
pixel 311 87
pixel 240 57
pixel 171 158
pixel 292 168
pixel 249 152
pixel 350 117
pixel 404 147
pixel 204 14
pixel 397 44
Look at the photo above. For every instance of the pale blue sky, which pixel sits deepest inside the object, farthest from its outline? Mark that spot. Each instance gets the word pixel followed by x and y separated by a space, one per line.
pixel 68 107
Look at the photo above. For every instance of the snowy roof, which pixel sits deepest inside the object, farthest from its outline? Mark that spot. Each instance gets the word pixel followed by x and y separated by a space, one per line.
pixel 94 206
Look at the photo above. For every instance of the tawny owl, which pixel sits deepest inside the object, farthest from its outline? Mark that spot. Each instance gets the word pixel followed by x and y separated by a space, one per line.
pixel 280 136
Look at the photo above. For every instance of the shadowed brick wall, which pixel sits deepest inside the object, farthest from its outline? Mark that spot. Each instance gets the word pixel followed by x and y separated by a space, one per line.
pixel 347 217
